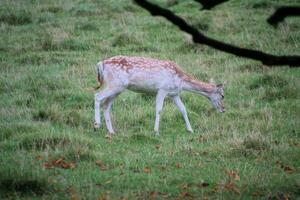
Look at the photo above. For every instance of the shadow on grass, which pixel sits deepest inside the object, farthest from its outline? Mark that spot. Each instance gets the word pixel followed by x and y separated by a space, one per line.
pixel 275 87
pixel 86 26
pixel 11 129
pixel 262 5
pixel 252 145
pixel 251 68
pixel 67 44
pixel 130 41
pixel 44 143
pixel 25 186
pixel 284 93
pixel 15 17
pixel 59 146
pixel 54 114
pixel 255 142
pixel 18 177
pixel 52 9
pixel 268 80
pixel 143 139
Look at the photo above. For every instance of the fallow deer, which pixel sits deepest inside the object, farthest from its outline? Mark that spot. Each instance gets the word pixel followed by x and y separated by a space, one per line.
pixel 139 74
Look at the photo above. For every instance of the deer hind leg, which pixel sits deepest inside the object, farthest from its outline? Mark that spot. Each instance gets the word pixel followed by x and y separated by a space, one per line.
pixel 181 107
pixel 106 106
pixel 159 105
pixel 100 97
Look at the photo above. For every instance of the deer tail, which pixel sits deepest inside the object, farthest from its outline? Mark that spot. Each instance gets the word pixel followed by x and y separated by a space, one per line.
pixel 100 77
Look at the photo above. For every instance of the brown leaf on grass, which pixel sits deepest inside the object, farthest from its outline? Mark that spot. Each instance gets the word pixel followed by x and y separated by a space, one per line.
pixel 183 186
pixel 279 196
pixel 178 165
pixel 147 170
pixel 68 165
pixel 202 139
pixel 153 195
pixel 231 187
pixel 39 157
pixel 102 198
pixel 60 163
pixel 286 168
pixel 293 143
pixel 48 165
pixel 101 164
pixel 232 174
pixel 203 185
pixel 74 195
pixel 216 188
pixel 258 194
pixel 185 195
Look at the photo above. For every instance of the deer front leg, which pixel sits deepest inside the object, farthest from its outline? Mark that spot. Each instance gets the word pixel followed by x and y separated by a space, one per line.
pixel 182 109
pixel 159 105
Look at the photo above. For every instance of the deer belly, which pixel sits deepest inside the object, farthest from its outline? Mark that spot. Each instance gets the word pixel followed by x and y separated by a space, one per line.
pixel 151 82
pixel 143 85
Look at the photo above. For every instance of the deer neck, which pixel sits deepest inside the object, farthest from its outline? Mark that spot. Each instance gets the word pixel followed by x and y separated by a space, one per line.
pixel 199 87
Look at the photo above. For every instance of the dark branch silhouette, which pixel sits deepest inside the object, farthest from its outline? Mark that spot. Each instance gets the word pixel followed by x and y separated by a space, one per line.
pixel 209 4
pixel 267 59
pixel 281 13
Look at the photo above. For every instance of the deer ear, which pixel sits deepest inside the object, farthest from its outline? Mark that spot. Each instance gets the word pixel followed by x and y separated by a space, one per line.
pixel 220 85
pixel 220 88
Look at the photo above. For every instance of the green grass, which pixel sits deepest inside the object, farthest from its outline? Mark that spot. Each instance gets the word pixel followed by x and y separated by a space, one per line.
pixel 48 53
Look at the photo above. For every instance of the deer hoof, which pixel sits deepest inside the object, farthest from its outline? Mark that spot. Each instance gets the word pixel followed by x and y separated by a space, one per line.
pixel 190 131
pixel 96 125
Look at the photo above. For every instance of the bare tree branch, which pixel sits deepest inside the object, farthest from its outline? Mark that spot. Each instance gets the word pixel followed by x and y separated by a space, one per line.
pixel 281 13
pixel 209 4
pixel 267 59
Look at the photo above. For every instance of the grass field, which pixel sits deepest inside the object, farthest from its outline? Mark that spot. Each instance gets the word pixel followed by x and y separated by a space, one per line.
pixel 49 150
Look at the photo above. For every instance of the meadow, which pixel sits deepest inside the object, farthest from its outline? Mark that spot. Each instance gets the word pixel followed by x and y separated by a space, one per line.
pixel 49 149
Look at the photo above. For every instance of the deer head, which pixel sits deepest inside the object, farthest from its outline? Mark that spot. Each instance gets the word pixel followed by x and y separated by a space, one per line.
pixel 217 98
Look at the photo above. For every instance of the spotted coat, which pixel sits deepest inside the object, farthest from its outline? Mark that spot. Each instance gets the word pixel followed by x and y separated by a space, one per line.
pixel 149 75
